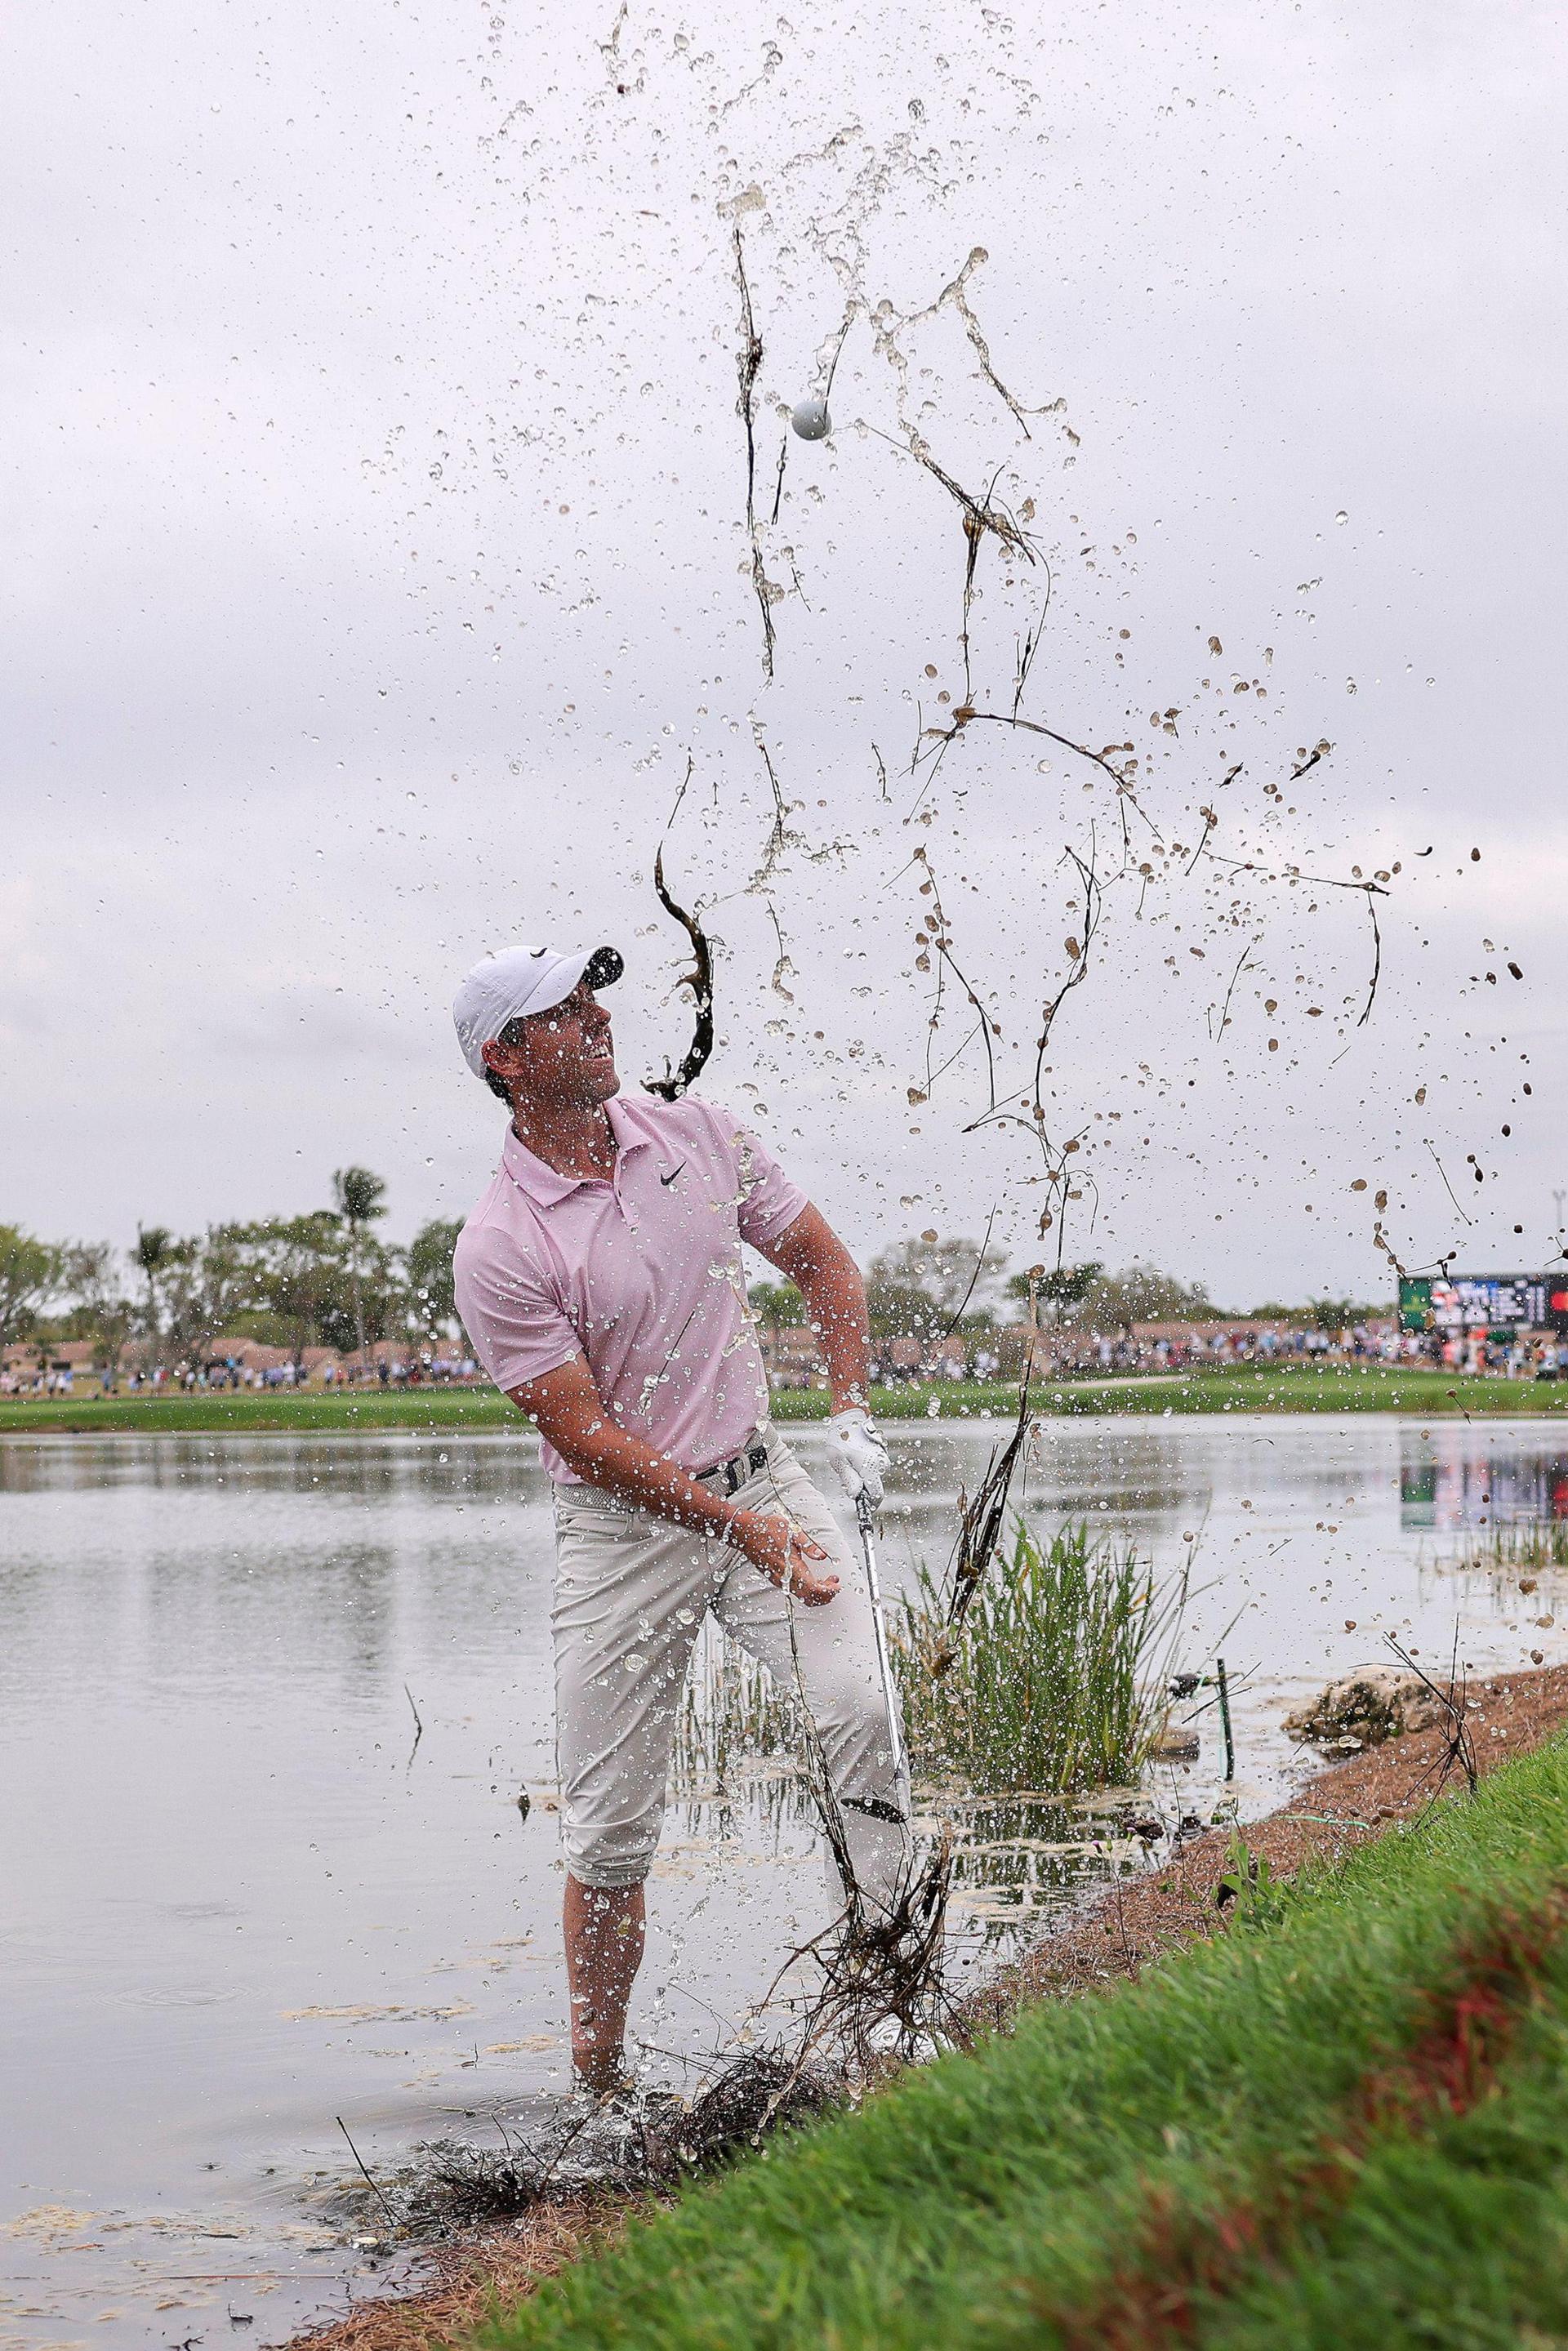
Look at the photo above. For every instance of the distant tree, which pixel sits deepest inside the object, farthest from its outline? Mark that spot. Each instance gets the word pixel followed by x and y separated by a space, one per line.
pixel 151 1255
pixel 208 1283
pixel 384 1297
pixel 778 1305
pixel 1141 1293
pixel 296 1267
pixel 1058 1288
pixel 1325 1314
pixel 922 1289
pixel 30 1273
pixel 357 1198
pixel 90 1279
pixel 1339 1314
pixel 427 1263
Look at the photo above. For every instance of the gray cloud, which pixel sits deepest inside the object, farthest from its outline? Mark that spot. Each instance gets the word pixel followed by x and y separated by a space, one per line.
pixel 376 557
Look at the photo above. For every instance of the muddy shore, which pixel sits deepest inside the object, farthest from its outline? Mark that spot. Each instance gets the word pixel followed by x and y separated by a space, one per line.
pixel 1348 1803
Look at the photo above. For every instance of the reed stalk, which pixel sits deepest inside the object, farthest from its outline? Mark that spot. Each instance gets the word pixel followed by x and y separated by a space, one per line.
pixel 1536 1545
pixel 1052 1682
pixel 1055 1681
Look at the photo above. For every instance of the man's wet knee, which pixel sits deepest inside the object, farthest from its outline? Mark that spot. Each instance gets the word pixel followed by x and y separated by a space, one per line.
pixel 608 1856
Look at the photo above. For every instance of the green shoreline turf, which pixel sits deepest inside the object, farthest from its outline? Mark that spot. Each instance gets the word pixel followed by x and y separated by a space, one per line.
pixel 1459 2238
pixel 986 2201
pixel 1248 1389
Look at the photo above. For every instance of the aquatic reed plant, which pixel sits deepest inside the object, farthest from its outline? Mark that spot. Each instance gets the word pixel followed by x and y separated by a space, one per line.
pixel 1528 1547
pixel 1052 1682
pixel 1055 1681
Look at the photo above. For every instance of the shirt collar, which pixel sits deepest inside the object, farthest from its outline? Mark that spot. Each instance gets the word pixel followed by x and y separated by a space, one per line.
pixel 544 1185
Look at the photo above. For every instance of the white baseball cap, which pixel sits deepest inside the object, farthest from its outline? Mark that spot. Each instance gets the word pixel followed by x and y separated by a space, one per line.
pixel 516 981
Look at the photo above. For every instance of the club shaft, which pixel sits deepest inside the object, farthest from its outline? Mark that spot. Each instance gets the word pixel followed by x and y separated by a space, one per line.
pixel 885 1662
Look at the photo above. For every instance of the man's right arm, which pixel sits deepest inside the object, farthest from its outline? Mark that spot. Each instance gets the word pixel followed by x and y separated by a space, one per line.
pixel 569 1411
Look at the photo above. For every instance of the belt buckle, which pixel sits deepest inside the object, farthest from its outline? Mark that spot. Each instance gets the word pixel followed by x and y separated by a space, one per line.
pixel 743 1465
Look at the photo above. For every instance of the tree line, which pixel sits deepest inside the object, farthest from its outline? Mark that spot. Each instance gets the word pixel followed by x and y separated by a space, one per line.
pixel 929 1288
pixel 323 1279
pixel 326 1278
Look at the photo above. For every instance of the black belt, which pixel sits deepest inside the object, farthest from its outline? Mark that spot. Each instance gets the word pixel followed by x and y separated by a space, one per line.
pixel 733 1474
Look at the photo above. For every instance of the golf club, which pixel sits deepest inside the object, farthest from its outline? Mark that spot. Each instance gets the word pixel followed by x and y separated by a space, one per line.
pixel 864 1515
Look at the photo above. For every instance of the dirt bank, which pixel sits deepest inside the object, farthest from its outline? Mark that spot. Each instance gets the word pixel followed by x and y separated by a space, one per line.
pixel 466 2281
pixel 1343 1805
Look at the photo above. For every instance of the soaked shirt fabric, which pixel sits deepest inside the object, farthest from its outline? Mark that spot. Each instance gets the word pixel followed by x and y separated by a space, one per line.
pixel 639 1272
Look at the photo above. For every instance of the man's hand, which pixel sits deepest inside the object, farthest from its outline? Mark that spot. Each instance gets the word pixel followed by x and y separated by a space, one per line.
pixel 567 1409
pixel 859 1456
pixel 786 1556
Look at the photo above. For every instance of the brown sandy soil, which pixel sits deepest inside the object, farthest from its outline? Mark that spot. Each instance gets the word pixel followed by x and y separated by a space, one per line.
pixel 466 2281
pixel 1344 1805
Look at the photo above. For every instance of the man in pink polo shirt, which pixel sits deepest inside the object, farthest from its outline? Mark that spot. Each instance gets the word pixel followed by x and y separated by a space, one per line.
pixel 600 1280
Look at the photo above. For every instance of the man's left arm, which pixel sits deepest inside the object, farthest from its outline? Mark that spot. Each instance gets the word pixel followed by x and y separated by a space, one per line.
pixel 810 1255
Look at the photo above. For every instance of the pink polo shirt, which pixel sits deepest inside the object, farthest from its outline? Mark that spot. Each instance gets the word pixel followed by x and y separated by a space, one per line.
pixel 641 1273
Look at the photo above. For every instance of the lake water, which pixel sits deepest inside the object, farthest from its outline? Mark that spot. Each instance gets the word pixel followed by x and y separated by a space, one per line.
pixel 243 1901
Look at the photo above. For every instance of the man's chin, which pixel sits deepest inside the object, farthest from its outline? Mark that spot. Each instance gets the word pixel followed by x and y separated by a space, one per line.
pixel 606 1087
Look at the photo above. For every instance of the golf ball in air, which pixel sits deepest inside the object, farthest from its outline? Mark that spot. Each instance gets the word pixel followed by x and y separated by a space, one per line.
pixel 810 419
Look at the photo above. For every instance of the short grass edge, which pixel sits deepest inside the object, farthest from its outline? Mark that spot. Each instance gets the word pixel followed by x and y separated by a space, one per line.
pixel 1245 1388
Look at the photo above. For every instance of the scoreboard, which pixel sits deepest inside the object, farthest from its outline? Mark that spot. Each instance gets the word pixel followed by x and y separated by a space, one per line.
pixel 1485 1301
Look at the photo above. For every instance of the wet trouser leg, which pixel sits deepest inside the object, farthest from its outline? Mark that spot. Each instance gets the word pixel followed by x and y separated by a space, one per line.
pixel 828 1657
pixel 630 1595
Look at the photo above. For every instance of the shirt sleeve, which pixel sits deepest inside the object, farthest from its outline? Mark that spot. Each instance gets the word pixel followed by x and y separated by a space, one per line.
pixel 510 1310
pixel 769 1200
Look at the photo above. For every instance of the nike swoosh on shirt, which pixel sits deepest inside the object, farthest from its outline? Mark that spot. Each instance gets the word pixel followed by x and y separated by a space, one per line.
pixel 671 1176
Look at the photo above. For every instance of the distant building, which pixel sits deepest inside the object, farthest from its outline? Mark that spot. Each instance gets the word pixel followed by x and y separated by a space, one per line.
pixel 790 1355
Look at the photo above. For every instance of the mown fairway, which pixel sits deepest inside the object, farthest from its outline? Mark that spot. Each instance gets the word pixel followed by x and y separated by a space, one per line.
pixel 1353 1388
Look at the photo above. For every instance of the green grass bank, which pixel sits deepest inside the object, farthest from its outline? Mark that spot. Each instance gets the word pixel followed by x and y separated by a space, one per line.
pixel 1247 1388
pixel 1344 2122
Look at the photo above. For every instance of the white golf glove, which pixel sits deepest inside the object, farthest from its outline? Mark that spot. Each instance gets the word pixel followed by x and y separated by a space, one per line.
pixel 859 1455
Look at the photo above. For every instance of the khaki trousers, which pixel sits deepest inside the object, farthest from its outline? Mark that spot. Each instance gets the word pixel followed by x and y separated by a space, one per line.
pixel 631 1591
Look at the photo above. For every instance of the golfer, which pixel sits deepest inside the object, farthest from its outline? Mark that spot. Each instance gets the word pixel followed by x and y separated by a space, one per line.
pixel 600 1280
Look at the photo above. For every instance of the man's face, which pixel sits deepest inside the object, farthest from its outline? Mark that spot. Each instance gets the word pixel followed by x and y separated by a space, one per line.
pixel 564 1059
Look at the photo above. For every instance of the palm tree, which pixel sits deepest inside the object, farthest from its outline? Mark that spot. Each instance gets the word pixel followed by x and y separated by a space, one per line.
pixel 153 1251
pixel 356 1197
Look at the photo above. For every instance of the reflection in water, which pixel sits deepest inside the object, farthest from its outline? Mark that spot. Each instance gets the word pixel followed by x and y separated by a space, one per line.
pixel 1447 1483
pixel 1018 1860
pixel 239 1906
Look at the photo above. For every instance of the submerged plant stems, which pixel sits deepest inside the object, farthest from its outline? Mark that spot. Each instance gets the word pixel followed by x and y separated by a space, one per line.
pixel 1508 1548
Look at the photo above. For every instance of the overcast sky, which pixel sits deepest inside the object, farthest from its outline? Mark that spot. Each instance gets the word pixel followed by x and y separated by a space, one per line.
pixel 376 557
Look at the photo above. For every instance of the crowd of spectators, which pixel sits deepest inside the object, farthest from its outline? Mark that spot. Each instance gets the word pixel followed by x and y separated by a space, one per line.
pixel 70 1369
pixel 994 1353
pixel 1169 1347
